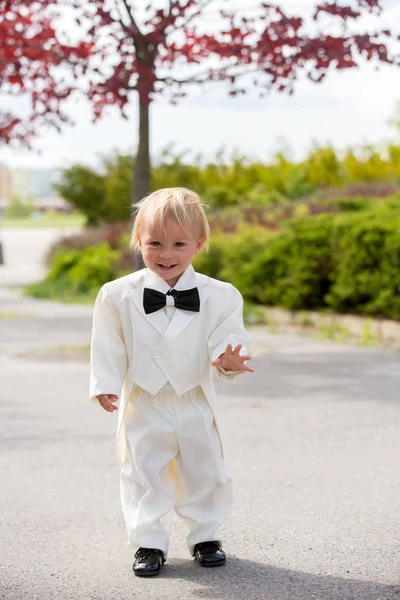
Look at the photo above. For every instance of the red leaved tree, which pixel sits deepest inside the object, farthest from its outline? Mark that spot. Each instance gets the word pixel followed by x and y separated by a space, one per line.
pixel 31 59
pixel 154 50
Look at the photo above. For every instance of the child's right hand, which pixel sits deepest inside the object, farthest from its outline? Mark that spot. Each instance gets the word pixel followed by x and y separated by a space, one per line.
pixel 106 401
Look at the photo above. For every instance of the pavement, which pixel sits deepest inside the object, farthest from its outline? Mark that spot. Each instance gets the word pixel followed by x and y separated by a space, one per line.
pixel 312 440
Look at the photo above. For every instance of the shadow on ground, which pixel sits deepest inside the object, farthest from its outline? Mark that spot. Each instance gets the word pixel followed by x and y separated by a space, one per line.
pixel 248 580
pixel 349 376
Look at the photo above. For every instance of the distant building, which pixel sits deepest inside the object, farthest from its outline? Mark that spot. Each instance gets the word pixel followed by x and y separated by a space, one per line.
pixel 35 183
pixel 32 186
pixel 55 203
pixel 41 205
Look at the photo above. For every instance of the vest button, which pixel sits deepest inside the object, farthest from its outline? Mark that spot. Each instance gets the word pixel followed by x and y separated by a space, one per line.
pixel 157 355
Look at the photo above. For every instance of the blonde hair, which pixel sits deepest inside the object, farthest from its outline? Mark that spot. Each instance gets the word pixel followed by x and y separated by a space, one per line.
pixel 179 204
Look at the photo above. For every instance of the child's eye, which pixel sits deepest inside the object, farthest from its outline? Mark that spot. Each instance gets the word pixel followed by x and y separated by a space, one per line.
pixel 154 243
pixel 180 244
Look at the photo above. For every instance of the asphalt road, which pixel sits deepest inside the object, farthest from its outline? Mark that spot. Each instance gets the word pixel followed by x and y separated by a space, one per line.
pixel 24 251
pixel 312 440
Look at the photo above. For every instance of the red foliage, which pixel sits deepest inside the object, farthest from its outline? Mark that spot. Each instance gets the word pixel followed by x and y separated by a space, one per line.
pixel 31 56
pixel 165 50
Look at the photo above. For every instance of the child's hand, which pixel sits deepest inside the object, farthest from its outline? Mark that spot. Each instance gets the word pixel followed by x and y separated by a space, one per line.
pixel 106 401
pixel 231 360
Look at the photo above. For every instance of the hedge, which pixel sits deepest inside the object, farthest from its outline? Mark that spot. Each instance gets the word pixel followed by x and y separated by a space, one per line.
pixel 347 263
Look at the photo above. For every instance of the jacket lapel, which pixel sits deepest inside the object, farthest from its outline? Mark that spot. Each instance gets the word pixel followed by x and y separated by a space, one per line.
pixel 157 319
pixel 182 318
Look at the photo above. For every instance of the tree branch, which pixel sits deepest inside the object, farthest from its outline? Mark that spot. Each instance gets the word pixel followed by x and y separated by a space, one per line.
pixel 168 15
pixel 205 3
pixel 204 76
pixel 132 18
pixel 121 18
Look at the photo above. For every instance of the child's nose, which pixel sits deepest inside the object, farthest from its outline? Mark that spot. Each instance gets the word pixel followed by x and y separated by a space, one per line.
pixel 166 252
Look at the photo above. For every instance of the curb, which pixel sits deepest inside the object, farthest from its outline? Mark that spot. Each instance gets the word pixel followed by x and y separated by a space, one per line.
pixel 335 325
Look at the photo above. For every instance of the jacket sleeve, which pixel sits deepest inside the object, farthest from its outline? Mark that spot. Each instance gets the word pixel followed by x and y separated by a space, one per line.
pixel 108 357
pixel 229 330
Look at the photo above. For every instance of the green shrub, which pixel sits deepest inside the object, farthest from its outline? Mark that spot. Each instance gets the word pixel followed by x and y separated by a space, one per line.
pixel 105 196
pixel 75 241
pixel 211 263
pixel 59 290
pixel 84 189
pixel 18 208
pixel 95 267
pixel 289 269
pixel 241 255
pixel 366 276
pixel 84 270
pixel 220 196
pixel 347 263
pixel 62 262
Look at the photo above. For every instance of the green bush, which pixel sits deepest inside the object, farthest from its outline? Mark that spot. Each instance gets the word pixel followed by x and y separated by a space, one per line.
pixel 84 189
pixel 347 263
pixel 220 196
pixel 84 270
pixel 366 275
pixel 75 241
pixel 18 208
pixel 211 262
pixel 289 269
pixel 59 290
pixel 235 181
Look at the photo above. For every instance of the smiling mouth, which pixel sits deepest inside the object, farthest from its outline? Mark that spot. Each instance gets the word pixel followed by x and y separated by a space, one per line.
pixel 166 266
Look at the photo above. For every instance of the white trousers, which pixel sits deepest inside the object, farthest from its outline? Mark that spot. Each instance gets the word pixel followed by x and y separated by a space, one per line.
pixel 197 485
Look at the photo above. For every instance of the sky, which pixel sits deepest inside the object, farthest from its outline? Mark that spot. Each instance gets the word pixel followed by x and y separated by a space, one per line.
pixel 348 109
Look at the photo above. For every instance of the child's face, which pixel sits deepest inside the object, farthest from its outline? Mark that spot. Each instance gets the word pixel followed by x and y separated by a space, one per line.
pixel 170 251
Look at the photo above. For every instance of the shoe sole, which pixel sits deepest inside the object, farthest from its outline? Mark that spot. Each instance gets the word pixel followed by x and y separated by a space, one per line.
pixel 214 564
pixel 147 574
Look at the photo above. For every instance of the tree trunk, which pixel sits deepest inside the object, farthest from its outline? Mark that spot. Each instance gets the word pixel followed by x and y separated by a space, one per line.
pixel 141 179
pixel 141 176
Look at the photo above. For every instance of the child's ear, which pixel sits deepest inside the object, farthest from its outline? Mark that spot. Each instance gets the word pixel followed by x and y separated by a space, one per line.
pixel 139 241
pixel 199 246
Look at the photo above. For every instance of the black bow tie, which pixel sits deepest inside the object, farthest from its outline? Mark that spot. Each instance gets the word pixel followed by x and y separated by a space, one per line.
pixel 154 300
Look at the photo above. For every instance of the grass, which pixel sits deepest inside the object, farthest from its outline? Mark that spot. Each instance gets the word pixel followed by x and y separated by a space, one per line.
pixel 368 338
pixel 48 220
pixel 60 292
pixel 9 315
pixel 72 350
pixel 333 331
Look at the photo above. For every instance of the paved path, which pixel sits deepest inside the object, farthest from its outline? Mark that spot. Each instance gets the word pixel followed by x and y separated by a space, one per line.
pixel 24 251
pixel 312 440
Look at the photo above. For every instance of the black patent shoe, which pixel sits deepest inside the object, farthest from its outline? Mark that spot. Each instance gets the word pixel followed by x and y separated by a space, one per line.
pixel 148 562
pixel 209 554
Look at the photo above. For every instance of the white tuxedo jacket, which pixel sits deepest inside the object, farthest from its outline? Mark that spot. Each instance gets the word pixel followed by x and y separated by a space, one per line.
pixel 130 349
